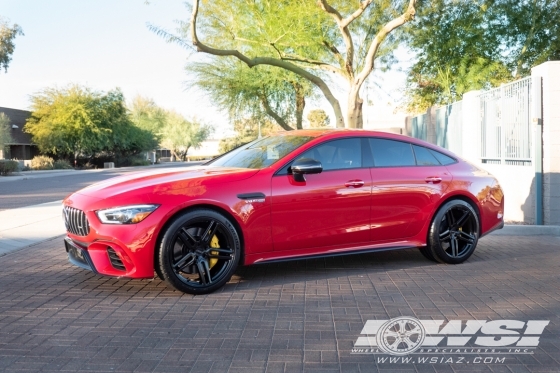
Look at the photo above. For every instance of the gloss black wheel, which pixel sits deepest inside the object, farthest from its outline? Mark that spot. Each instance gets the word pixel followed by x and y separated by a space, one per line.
pixel 454 233
pixel 199 252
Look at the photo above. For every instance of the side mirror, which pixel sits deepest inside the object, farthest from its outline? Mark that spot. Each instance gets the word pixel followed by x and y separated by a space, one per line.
pixel 304 166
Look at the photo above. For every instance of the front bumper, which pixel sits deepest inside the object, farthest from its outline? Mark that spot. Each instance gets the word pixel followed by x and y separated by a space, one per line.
pixel 109 249
pixel 78 255
pixel 103 257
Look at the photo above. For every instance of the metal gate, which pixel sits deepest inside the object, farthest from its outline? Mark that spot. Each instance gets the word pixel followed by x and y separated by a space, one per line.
pixel 449 127
pixel 420 127
pixel 506 124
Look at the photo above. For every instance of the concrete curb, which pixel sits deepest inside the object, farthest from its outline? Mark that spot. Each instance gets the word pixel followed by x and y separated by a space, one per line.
pixel 39 174
pixel 528 230
pixel 28 175
pixel 13 250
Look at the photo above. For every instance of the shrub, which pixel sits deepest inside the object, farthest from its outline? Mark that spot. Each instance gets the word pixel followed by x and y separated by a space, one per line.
pixel 86 163
pixel 62 164
pixel 7 167
pixel 89 166
pixel 131 160
pixel 42 162
pixel 140 162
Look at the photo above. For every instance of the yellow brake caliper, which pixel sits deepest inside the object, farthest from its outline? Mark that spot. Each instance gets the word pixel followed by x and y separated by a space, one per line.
pixel 216 244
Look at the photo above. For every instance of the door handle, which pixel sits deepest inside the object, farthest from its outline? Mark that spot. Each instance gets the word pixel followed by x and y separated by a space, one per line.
pixel 354 184
pixel 433 179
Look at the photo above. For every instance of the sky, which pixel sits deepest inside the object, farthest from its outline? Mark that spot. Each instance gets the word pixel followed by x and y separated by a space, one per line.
pixel 105 44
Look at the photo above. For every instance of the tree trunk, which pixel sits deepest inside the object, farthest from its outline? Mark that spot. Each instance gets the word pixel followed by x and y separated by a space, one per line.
pixel 281 122
pixel 300 105
pixel 355 108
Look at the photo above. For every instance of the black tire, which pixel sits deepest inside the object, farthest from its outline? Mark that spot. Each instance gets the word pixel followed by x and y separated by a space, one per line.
pixel 453 233
pixel 157 268
pixel 199 252
pixel 427 253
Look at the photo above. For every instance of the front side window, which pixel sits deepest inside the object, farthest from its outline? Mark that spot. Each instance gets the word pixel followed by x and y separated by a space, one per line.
pixel 337 154
pixel 391 153
pixel 261 153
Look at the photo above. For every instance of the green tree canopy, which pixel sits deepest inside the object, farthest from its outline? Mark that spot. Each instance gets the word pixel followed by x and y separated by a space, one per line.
pixel 312 40
pixel 146 115
pixel 465 45
pixel 259 92
pixel 318 118
pixel 528 30
pixel 179 134
pixel 7 35
pixel 77 121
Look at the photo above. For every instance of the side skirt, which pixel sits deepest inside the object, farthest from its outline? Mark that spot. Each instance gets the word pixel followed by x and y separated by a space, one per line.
pixel 279 259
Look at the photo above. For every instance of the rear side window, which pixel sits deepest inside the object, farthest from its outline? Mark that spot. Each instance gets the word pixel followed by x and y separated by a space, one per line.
pixel 424 157
pixel 442 158
pixel 391 153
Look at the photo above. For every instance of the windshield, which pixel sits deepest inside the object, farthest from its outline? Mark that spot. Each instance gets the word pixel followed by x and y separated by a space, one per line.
pixel 261 152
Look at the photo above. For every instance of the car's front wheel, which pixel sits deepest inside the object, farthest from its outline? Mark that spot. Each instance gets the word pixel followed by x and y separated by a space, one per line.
pixel 199 252
pixel 453 233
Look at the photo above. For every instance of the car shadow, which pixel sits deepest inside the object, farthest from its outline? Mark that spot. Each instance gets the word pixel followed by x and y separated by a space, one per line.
pixel 323 269
pixel 59 276
pixel 258 277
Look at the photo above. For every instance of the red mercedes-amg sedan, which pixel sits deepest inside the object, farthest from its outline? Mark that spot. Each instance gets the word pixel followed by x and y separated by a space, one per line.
pixel 291 195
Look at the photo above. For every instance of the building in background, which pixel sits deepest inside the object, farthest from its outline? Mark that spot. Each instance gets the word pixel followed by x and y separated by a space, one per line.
pixel 21 147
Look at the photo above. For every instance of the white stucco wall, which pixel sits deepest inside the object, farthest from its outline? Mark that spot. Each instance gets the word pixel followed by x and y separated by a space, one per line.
pixel 550 73
pixel 518 185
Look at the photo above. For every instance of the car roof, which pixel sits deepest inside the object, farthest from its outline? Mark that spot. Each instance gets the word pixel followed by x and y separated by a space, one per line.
pixel 343 132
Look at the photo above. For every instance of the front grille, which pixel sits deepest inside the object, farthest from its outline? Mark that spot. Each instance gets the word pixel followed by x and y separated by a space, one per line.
pixel 115 260
pixel 76 221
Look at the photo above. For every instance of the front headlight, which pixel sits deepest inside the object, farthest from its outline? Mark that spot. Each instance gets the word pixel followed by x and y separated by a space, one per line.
pixel 126 214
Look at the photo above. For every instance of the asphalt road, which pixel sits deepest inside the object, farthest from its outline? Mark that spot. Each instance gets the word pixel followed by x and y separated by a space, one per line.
pixel 32 191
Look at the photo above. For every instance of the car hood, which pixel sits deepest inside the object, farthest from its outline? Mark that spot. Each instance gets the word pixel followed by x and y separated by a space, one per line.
pixel 167 180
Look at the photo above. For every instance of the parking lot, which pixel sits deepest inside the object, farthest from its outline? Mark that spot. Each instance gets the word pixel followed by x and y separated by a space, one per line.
pixel 287 317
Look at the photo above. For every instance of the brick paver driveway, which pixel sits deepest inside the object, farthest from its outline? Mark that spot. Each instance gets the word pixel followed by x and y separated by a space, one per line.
pixel 287 317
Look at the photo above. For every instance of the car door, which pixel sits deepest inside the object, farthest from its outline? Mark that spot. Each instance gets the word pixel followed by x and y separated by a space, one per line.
pixel 327 209
pixel 405 188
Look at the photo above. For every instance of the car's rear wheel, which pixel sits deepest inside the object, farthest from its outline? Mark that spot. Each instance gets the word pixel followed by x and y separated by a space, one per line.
pixel 199 252
pixel 453 234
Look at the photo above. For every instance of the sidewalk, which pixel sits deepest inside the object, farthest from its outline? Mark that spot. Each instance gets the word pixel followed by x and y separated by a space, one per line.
pixel 30 225
pixel 25 175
